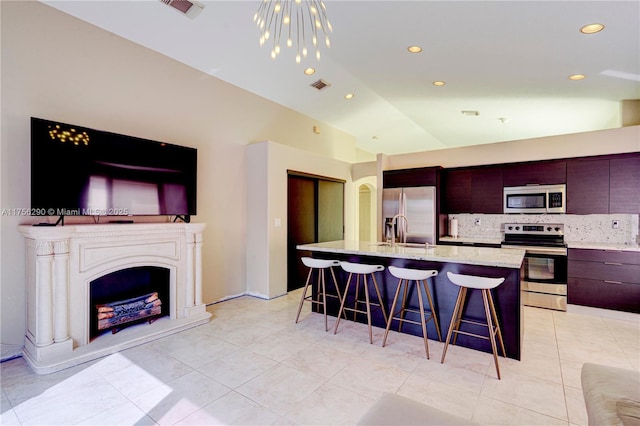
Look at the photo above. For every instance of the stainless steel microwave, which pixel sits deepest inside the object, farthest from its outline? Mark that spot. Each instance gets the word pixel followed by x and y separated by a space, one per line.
pixel 535 199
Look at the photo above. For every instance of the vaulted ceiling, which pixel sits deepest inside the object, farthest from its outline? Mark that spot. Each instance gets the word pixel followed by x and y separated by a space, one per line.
pixel 509 61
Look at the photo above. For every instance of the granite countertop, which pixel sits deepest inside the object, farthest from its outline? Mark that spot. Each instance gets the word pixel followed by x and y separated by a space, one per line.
pixel 471 240
pixel 485 256
pixel 602 246
pixel 570 244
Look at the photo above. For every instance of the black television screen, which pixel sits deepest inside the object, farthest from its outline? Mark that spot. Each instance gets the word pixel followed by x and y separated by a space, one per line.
pixel 78 171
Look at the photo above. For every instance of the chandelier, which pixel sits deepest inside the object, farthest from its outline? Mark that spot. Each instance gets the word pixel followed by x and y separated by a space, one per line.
pixel 293 24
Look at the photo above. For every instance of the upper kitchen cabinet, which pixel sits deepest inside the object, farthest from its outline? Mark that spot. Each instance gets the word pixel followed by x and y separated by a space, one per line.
pixel 588 186
pixel 604 184
pixel 456 184
pixel 423 176
pixel 473 190
pixel 624 184
pixel 536 173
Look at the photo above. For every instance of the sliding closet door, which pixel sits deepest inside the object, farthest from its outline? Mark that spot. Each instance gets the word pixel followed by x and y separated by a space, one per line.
pixel 330 211
pixel 301 219
pixel 315 213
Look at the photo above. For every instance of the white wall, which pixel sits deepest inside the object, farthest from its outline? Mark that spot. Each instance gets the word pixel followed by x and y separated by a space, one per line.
pixel 267 165
pixel 624 139
pixel 57 67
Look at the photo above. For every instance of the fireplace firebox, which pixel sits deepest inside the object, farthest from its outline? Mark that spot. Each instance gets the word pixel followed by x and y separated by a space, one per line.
pixel 128 297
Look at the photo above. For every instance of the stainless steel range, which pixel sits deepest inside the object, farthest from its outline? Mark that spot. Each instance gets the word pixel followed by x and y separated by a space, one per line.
pixel 544 276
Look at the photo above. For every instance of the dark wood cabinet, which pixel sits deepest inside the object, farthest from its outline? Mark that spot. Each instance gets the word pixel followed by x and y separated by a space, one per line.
pixel 536 172
pixel 588 186
pixel 423 176
pixel 607 279
pixel 457 191
pixel 486 190
pixel 606 184
pixel 473 190
pixel 624 184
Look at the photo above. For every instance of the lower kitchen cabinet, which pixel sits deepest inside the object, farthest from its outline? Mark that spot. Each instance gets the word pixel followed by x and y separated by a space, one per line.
pixel 606 279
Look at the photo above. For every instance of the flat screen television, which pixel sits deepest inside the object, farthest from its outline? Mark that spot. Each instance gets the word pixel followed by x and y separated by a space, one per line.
pixel 79 171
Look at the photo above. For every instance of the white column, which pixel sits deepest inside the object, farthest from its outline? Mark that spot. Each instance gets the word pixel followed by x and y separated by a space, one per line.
pixel 190 290
pixel 44 294
pixel 198 268
pixel 61 290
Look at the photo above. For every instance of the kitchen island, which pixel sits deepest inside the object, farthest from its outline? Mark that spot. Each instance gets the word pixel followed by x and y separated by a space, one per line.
pixel 484 261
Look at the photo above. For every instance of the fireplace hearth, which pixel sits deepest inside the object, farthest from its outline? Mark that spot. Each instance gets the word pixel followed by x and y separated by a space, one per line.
pixel 73 269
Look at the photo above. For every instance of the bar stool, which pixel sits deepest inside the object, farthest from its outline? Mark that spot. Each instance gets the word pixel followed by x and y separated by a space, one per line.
pixel 485 284
pixel 320 265
pixel 419 277
pixel 361 270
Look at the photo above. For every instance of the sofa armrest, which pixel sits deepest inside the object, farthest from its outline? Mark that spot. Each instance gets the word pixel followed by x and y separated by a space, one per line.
pixel 603 387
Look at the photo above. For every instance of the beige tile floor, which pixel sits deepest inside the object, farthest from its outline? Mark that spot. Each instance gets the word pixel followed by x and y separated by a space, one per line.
pixel 253 365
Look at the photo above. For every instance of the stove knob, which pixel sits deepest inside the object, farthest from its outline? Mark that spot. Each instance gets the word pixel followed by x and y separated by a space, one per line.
pixel 549 228
pixel 510 228
pixel 557 229
pixel 517 228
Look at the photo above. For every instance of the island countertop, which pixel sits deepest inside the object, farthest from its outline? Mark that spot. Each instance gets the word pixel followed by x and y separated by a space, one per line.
pixel 484 256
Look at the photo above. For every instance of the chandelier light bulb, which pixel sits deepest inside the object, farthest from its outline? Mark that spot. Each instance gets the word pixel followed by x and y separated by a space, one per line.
pixel 299 22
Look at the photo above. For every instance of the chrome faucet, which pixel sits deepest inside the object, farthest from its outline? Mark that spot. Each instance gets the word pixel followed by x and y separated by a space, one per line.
pixel 393 228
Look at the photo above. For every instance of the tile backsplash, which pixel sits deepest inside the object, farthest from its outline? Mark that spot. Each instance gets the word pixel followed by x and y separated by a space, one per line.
pixel 594 228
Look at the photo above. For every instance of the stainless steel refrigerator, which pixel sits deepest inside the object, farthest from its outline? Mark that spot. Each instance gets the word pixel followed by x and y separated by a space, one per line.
pixel 418 205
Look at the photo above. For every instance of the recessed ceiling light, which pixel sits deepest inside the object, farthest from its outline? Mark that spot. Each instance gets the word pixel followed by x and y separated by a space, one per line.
pixel 310 71
pixel 470 113
pixel 439 83
pixel 577 77
pixel 592 28
pixel 414 49
pixel 349 96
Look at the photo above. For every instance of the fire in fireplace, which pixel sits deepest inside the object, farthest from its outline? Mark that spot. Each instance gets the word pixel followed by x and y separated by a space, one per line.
pixel 128 297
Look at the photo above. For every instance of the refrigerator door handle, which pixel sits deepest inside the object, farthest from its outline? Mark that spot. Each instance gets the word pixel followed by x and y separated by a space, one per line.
pixel 402 234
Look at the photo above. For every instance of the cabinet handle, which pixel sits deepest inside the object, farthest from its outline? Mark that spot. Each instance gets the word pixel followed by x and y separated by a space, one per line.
pixel 613 263
pixel 612 282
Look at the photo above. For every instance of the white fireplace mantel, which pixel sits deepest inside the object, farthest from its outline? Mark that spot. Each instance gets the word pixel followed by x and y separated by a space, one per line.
pixel 63 260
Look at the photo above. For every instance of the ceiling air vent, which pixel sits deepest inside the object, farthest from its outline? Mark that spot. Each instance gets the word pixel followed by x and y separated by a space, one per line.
pixel 320 84
pixel 190 8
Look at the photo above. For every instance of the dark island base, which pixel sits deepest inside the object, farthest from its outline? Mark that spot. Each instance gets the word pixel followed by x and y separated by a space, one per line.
pixel 506 298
